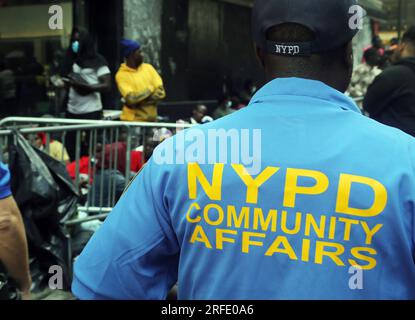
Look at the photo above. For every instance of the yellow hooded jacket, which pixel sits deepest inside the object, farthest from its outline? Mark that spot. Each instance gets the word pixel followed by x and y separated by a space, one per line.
pixel 140 80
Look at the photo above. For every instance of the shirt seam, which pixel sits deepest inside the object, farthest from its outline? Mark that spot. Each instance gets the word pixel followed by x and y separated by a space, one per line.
pixel 257 100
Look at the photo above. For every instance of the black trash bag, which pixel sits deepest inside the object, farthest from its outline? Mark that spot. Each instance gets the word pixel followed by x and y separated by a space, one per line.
pixel 80 238
pixel 46 197
pixel 55 252
pixel 68 196
pixel 32 183
pixel 8 287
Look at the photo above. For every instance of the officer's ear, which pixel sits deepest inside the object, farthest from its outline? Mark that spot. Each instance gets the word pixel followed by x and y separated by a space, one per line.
pixel 260 55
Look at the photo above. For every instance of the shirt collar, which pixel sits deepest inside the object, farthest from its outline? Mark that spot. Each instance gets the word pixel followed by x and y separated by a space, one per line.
pixel 305 88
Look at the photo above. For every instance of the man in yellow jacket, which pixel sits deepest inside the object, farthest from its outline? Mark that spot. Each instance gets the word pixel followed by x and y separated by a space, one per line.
pixel 139 84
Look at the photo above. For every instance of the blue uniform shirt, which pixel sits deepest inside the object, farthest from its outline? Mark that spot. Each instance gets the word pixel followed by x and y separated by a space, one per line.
pixel 329 214
pixel 4 182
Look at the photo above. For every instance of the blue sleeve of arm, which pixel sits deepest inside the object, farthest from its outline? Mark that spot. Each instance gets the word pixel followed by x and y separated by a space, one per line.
pixel 5 191
pixel 134 255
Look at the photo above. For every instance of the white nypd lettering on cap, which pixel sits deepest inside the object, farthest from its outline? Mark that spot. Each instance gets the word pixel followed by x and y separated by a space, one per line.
pixel 285 49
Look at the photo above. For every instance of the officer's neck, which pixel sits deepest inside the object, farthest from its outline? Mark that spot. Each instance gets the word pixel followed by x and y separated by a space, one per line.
pixel 340 84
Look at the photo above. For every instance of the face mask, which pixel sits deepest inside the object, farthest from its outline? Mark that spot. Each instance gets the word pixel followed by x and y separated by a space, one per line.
pixel 75 46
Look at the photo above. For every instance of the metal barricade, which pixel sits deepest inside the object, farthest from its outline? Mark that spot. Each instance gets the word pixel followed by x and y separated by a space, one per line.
pixel 102 180
pixel 103 149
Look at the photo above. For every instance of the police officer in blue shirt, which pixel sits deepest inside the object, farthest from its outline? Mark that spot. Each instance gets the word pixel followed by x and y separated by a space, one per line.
pixel 297 196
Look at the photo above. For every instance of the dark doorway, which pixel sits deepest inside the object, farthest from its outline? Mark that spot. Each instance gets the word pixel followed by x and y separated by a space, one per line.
pixel 174 50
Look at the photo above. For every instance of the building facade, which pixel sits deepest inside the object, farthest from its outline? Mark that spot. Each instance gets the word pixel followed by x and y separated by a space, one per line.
pixel 202 48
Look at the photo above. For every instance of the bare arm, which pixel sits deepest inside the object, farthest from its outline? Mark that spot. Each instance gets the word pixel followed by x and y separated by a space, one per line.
pixel 83 89
pixel 103 86
pixel 13 245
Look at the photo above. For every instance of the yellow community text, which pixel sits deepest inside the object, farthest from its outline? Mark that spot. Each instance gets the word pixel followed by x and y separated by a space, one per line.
pixel 318 238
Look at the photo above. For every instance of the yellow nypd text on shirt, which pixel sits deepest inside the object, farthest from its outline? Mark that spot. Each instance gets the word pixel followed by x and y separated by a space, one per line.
pixel 254 225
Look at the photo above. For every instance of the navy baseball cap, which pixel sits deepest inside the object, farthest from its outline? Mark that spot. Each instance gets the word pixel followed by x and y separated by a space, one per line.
pixel 332 22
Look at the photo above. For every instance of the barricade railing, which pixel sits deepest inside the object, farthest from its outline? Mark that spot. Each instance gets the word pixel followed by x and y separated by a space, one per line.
pixel 108 167
pixel 12 121
pixel 108 148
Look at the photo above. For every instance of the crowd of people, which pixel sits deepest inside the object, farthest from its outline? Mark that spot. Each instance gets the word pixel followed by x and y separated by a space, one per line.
pixel 22 83
pixel 390 99
pixel 334 194
pixel 385 80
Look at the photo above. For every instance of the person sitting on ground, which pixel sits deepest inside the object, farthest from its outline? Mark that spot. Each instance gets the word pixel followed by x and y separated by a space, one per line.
pixel 109 179
pixel 198 113
pixel 199 116
pixel 224 108
pixel 152 139
pixel 56 149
